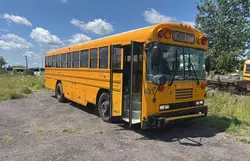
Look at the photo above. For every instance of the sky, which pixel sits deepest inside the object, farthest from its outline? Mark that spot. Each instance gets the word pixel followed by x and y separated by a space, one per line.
pixel 32 27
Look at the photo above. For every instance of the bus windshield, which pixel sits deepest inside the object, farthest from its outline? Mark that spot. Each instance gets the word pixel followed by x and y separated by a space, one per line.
pixel 182 63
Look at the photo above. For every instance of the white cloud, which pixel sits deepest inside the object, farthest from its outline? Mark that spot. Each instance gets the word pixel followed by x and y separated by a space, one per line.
pixel 32 54
pixel 64 1
pixel 4 30
pixel 16 19
pixel 79 38
pixel 154 17
pixel 191 23
pixel 12 41
pixel 97 26
pixel 45 37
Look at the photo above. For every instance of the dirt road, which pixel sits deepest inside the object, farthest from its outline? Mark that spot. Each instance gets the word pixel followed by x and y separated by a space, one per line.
pixel 39 128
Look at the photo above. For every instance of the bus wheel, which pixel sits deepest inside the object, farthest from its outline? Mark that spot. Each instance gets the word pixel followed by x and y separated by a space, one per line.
pixel 59 93
pixel 104 107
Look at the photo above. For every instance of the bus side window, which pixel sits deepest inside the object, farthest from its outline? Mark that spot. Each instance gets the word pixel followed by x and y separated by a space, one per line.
pixel 63 60
pixel 84 58
pixel 53 61
pixel 93 58
pixel 58 61
pixel 69 60
pixel 117 58
pixel 49 61
pixel 76 59
pixel 103 61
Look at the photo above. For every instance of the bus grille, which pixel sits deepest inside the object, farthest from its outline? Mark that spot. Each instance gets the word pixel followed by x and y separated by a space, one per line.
pixel 184 93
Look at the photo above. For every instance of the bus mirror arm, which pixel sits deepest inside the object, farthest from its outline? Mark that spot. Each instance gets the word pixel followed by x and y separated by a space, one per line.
pixel 154 99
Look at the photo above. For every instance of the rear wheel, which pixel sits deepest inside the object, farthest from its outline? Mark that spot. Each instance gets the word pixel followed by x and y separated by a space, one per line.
pixel 104 107
pixel 59 93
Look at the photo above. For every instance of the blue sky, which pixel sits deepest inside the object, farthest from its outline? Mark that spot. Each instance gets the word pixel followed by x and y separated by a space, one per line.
pixel 32 27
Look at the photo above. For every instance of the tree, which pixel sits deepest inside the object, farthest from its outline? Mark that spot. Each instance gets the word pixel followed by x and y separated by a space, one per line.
pixel 18 66
pixel 226 24
pixel 2 62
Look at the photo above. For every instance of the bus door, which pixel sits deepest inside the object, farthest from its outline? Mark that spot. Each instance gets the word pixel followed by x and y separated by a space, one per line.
pixel 116 80
pixel 132 94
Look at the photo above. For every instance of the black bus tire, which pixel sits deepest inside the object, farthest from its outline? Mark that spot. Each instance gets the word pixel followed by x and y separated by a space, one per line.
pixel 59 93
pixel 104 107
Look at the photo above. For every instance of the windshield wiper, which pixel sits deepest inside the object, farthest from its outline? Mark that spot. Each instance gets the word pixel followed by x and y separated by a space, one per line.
pixel 194 73
pixel 175 65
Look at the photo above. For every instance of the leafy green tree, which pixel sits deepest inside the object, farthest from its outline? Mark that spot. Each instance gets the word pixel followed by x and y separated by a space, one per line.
pixel 2 62
pixel 227 26
pixel 18 66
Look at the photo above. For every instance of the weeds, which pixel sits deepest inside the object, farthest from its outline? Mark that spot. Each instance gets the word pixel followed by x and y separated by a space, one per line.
pixel 19 86
pixel 7 139
pixel 228 113
pixel 39 130
pixel 70 130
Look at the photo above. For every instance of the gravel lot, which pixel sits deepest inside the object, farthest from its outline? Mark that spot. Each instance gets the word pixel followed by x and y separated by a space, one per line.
pixel 39 128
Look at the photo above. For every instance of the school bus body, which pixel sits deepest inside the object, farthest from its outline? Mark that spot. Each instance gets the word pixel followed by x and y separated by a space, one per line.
pixel 85 85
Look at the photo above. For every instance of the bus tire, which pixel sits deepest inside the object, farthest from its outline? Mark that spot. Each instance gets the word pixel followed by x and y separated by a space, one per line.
pixel 104 107
pixel 59 93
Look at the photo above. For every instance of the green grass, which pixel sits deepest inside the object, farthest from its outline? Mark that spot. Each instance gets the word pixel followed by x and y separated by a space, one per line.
pixel 228 113
pixel 38 130
pixel 7 139
pixel 19 86
pixel 70 131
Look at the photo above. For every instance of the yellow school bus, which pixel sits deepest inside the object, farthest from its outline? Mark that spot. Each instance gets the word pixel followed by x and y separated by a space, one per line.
pixel 246 70
pixel 150 76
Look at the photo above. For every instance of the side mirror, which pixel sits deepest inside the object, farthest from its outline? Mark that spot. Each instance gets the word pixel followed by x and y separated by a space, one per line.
pixel 156 55
pixel 159 80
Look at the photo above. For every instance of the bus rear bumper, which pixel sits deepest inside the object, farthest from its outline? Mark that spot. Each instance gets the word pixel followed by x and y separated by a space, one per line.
pixel 161 121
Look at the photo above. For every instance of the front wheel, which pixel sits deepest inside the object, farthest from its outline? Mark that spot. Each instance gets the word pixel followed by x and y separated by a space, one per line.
pixel 104 107
pixel 59 93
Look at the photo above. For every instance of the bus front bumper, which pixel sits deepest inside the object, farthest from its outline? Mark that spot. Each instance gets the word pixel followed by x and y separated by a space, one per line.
pixel 162 120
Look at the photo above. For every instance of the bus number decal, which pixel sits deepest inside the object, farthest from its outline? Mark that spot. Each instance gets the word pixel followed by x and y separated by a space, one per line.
pixel 149 91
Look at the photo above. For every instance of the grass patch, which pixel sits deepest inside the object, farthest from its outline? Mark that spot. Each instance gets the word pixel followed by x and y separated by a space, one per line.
pixel 7 139
pixel 26 132
pixel 244 140
pixel 19 86
pixel 70 131
pixel 228 113
pixel 99 132
pixel 38 130
pixel 26 90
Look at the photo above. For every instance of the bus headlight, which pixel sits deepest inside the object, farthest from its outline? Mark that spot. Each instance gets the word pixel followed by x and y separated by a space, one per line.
pixel 164 107
pixel 197 103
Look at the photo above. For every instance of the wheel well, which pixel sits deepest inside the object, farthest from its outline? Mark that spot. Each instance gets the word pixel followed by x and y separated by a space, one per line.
pixel 100 92
pixel 58 81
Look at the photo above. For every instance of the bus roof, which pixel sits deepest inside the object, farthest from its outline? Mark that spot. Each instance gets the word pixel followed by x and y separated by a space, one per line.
pixel 141 35
pixel 247 61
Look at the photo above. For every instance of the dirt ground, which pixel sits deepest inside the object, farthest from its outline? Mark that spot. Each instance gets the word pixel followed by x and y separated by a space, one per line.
pixel 39 128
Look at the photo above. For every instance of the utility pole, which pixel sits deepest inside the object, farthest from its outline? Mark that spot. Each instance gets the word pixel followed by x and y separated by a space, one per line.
pixel 42 63
pixel 26 59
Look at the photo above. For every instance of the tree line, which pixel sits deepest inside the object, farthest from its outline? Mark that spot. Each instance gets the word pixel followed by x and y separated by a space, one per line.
pixel 227 26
